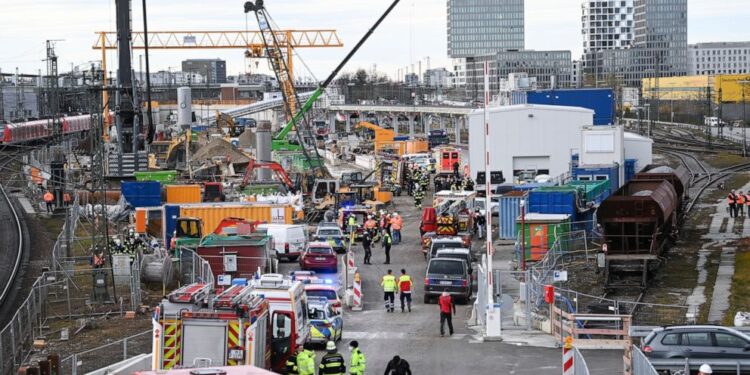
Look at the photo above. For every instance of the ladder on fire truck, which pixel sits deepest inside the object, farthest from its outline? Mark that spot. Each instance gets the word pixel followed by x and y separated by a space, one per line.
pixel 191 293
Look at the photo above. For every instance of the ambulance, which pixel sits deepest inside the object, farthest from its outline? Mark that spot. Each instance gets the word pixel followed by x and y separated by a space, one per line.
pixel 287 303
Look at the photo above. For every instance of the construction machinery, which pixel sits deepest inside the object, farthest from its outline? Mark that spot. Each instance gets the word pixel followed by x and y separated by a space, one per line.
pixel 224 121
pixel 281 68
pixel 383 137
pixel 281 174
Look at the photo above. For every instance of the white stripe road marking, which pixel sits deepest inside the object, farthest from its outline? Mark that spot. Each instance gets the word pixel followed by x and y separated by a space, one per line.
pixel 350 335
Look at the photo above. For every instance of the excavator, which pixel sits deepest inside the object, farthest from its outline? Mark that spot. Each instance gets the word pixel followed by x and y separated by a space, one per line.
pixel 319 179
pixel 224 120
pixel 298 118
pixel 383 137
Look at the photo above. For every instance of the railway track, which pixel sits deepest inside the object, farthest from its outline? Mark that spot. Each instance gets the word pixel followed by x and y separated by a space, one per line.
pixel 12 248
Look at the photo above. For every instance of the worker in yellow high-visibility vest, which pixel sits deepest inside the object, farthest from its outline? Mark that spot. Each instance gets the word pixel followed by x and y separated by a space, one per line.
pixel 389 290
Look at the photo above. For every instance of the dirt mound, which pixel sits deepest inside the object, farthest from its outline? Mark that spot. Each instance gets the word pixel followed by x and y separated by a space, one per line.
pixel 218 147
pixel 247 139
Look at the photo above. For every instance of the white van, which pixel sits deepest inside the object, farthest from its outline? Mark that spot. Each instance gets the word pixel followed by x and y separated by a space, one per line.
pixel 289 240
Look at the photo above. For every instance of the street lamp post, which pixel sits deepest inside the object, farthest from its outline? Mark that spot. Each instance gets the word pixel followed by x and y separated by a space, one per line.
pixel 744 118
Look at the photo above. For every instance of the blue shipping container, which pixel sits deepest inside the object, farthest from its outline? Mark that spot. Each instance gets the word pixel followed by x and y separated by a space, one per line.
pixel 629 169
pixel 601 101
pixel 552 202
pixel 142 193
pixel 598 173
pixel 510 210
pixel 171 214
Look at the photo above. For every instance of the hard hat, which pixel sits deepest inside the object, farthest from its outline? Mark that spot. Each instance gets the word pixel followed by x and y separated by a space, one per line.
pixel 706 369
pixel 330 346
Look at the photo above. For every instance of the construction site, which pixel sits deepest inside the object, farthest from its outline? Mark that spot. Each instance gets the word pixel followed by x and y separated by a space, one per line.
pixel 190 221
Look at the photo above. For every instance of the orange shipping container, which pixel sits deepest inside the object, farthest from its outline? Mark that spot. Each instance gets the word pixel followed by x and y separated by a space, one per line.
pixel 140 220
pixel 183 193
pixel 416 146
pixel 213 214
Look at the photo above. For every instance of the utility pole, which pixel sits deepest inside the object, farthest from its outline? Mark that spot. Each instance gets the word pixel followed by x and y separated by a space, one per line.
pixel 53 103
pixel 708 114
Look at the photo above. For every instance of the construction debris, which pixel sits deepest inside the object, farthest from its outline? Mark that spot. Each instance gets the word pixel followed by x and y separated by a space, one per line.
pixel 218 148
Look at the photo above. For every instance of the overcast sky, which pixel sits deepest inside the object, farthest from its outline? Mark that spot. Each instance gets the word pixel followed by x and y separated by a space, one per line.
pixel 414 31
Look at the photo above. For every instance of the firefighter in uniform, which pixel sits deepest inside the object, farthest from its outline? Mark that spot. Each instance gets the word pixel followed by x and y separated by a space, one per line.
pixel 418 196
pixel 357 360
pixel 468 184
pixel 332 363
pixel 306 360
pixel 404 287
pixel 292 367
pixel 389 290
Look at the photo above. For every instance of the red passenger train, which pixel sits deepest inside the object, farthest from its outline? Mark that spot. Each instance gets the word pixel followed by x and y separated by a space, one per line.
pixel 28 131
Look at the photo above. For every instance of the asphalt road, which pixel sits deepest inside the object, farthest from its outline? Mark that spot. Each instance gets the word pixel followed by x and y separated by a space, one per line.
pixel 416 337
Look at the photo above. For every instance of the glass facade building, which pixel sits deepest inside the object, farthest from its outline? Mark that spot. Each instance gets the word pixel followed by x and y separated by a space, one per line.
pixel 545 66
pixel 481 27
pixel 659 46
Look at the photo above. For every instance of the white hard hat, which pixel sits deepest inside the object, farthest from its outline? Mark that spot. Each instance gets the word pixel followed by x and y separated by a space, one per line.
pixel 706 369
pixel 332 346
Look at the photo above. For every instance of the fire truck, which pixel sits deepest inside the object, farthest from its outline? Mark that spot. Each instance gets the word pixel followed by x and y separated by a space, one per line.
pixel 196 327
pixel 288 310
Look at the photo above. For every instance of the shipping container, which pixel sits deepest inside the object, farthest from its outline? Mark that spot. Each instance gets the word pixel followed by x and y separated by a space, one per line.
pixel 239 256
pixel 540 231
pixel 531 186
pixel 629 169
pixel 510 209
pixel 183 193
pixel 213 214
pixel 599 173
pixel 594 191
pixel 141 194
pixel 601 101
pixel 554 200
pixel 165 177
pixel 169 221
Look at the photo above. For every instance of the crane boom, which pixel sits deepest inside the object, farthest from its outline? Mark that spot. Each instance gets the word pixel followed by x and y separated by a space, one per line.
pixel 307 106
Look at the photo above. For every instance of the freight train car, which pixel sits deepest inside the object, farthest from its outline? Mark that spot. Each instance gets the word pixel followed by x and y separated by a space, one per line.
pixel 30 131
pixel 679 178
pixel 639 222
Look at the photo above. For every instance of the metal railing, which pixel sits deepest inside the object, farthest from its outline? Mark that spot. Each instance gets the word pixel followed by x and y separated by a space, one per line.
pixel 640 365
pixel 105 355
pixel 580 367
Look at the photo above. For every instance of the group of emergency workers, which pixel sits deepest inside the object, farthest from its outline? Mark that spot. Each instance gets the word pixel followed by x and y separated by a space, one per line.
pixel 303 361
pixel 380 225
pixel 416 179
pixel 390 287
pixel 49 200
pixel 737 201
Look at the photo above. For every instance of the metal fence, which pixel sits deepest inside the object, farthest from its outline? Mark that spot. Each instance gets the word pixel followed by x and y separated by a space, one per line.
pixel 580 367
pixel 105 355
pixel 193 268
pixel 640 365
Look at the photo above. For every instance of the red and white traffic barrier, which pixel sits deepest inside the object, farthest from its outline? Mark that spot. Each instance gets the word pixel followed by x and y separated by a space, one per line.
pixel 357 293
pixel 568 364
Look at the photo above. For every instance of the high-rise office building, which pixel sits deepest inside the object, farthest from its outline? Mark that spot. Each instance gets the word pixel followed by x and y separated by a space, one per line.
pixel 215 70
pixel 606 25
pixel 659 47
pixel 481 27
pixel 551 69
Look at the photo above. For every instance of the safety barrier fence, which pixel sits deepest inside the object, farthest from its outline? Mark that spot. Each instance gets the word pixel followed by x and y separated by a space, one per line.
pixel 580 366
pixel 690 366
pixel 640 365
pixel 105 355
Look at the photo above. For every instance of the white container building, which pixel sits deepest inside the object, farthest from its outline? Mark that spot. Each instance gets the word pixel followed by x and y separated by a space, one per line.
pixel 527 137
pixel 639 148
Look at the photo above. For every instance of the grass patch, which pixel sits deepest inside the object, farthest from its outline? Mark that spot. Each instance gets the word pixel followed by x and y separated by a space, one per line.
pixel 724 159
pixel 736 181
pixel 739 300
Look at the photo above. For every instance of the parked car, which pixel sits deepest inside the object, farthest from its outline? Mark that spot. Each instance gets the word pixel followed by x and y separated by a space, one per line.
pixel 325 324
pixel 289 240
pixel 334 236
pixel 445 242
pixel 447 275
pixel 458 253
pixel 319 256
pixel 494 205
pixel 697 342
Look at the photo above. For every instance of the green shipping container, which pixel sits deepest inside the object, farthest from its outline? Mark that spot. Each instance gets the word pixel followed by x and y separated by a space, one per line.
pixel 595 190
pixel 540 232
pixel 165 177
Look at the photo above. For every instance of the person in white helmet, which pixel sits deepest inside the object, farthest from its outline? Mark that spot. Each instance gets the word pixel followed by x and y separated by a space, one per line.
pixel 705 369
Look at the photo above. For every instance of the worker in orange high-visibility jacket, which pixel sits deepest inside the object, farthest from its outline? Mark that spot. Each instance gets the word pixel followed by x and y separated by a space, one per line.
pixel 732 201
pixel 740 204
pixel 48 201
